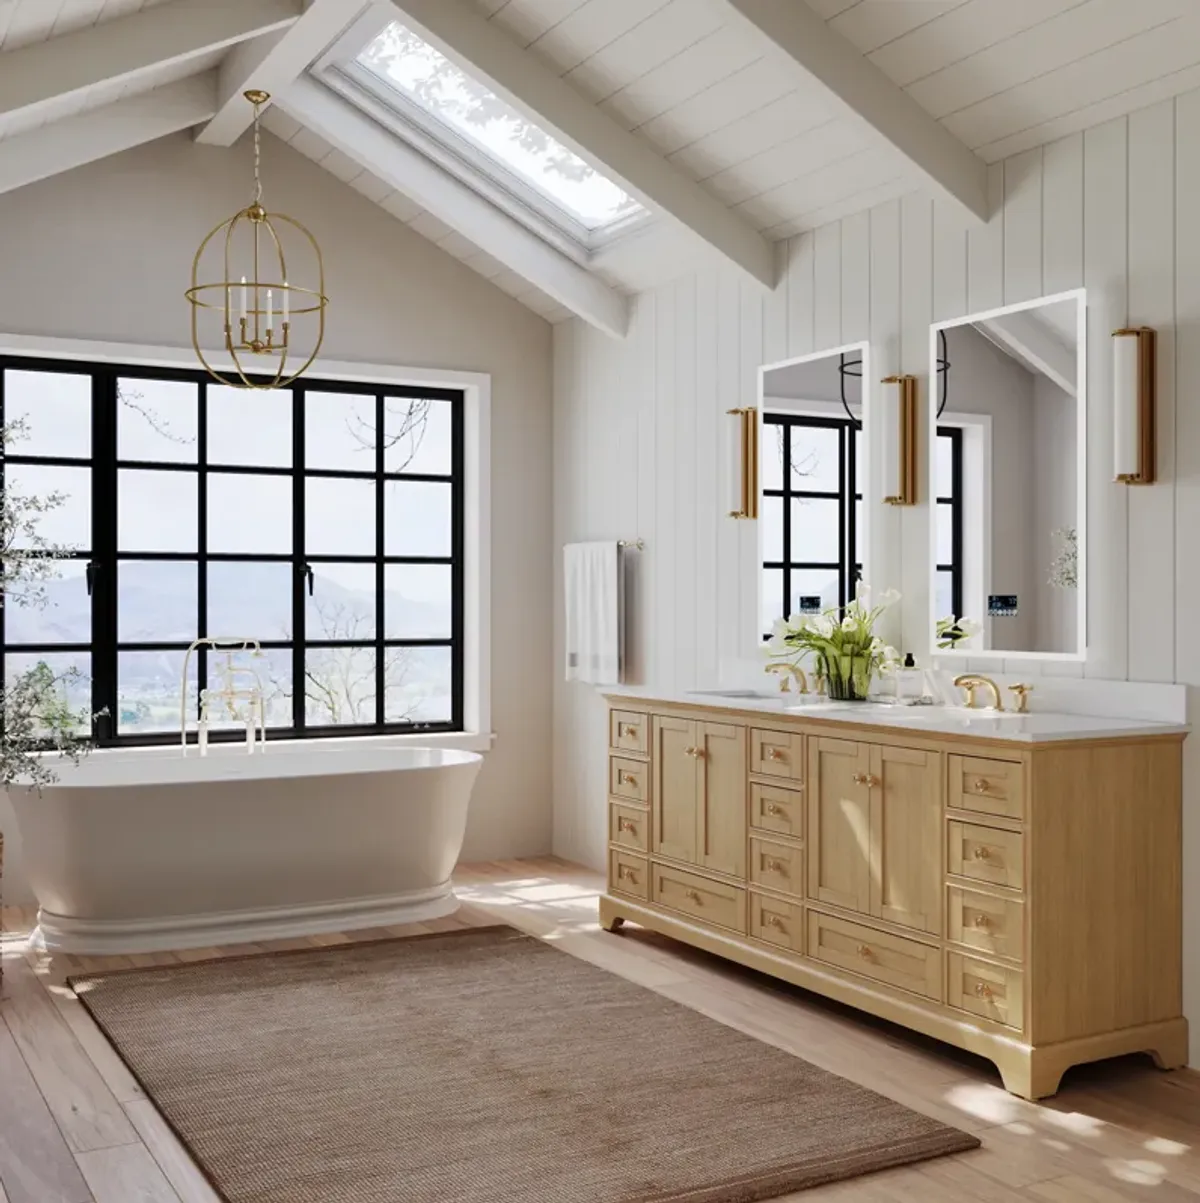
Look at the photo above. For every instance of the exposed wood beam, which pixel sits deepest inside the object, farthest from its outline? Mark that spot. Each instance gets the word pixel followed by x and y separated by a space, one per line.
pixel 270 63
pixel 73 141
pixel 463 34
pixel 127 47
pixel 460 207
pixel 821 53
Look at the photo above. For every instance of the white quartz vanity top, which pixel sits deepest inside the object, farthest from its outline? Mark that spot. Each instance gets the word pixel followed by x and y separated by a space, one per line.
pixel 1036 727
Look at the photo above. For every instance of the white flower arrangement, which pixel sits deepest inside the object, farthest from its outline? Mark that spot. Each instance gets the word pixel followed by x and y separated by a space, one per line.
pixel 952 631
pixel 1064 568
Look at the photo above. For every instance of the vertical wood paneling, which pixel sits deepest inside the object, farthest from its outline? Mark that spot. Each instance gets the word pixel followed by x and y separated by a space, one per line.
pixel 662 627
pixel 1105 230
pixel 644 332
pixel 684 436
pixel 801 307
pixel 1023 227
pixel 749 561
pixel 985 250
pixel 949 265
pixel 856 279
pixel 1062 214
pixel 729 369
pixel 708 468
pixel 1151 302
pixel 775 308
pixel 827 287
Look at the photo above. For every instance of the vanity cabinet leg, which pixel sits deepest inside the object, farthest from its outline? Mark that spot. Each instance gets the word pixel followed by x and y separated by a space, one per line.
pixel 1028 1076
pixel 610 920
pixel 1170 1051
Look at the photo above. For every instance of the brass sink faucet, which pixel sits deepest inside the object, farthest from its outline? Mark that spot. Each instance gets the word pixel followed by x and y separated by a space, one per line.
pixel 787 671
pixel 971 682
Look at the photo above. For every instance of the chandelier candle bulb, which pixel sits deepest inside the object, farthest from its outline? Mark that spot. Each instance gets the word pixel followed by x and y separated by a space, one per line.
pixel 270 311
pixel 243 314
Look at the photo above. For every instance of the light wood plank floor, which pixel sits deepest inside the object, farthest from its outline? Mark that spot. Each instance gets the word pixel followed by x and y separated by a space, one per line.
pixel 76 1128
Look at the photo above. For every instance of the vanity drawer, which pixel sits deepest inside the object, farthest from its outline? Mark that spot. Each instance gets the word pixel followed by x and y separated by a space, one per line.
pixel 628 874
pixel 983 921
pixel 628 779
pixel 991 787
pixel 906 964
pixel 777 866
pixel 777 922
pixel 777 754
pixel 993 991
pixel 628 731
pixel 773 808
pixel 629 827
pixel 712 901
pixel 986 854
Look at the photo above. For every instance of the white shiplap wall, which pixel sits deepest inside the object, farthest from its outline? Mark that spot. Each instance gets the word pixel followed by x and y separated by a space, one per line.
pixel 639 425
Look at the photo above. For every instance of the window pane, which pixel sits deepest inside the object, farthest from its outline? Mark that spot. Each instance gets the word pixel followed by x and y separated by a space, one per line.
pixel 156 511
pixel 772 455
pixel 249 514
pixel 270 671
pixel 157 420
pixel 816 463
pixel 945 532
pixel 771 514
pixel 56 408
pixel 156 601
pixel 339 517
pixel 34 684
pixel 815 531
pixel 249 428
pixel 945 595
pixel 67 525
pixel 418 601
pixel 148 692
pixel 65 618
pixel 418 685
pixel 772 598
pixel 417 435
pixel 416 518
pixel 342 605
pixel 943 480
pixel 814 582
pixel 339 686
pixel 339 431
pixel 250 600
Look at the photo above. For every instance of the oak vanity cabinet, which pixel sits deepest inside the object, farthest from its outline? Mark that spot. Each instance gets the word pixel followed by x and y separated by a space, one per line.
pixel 1021 900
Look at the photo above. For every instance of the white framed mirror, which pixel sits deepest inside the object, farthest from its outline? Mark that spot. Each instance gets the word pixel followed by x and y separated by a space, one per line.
pixel 1008 481
pixel 813 478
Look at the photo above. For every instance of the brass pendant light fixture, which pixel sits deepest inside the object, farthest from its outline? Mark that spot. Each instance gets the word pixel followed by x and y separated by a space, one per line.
pixel 253 306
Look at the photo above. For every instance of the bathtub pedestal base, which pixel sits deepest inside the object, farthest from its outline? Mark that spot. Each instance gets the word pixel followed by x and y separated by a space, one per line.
pixel 111 937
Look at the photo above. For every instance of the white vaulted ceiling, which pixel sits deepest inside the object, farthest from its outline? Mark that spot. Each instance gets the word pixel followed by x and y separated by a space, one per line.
pixel 715 113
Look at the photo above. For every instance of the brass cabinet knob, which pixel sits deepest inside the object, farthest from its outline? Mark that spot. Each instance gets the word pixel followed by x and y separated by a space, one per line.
pixel 983 990
pixel 695 753
pixel 624 872
pixel 774 754
pixel 864 951
pixel 773 810
pixel 860 779
pixel 627 825
pixel 873 782
pixel 774 921
pixel 624 729
pixel 693 895
pixel 981 853
pixel 775 866
pixel 982 922
pixel 624 778
pixel 982 785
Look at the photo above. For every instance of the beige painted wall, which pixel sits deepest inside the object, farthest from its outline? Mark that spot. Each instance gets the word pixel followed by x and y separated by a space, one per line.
pixel 104 252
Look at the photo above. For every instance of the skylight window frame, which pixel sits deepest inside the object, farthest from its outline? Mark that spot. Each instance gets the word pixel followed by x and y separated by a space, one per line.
pixel 387 104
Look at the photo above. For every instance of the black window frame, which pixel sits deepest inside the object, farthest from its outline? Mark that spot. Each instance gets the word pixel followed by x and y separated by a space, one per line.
pixel 954 434
pixel 103 556
pixel 848 496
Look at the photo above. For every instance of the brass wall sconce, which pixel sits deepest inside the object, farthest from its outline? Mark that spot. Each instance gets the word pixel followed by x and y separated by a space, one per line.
pixel 899 427
pixel 1134 403
pixel 743 464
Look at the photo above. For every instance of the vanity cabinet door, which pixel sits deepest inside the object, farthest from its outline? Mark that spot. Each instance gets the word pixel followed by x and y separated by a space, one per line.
pixel 675 792
pixel 839 823
pixel 721 805
pixel 906 850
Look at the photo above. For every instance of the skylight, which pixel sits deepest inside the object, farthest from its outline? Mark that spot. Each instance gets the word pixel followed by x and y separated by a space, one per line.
pixel 406 62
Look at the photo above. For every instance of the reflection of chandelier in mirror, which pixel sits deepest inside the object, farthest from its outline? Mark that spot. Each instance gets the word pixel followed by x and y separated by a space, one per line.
pixel 852 369
pixel 257 304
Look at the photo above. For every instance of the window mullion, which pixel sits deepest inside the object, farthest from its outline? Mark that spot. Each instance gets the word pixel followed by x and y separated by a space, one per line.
pixel 104 555
pixel 380 674
pixel 299 569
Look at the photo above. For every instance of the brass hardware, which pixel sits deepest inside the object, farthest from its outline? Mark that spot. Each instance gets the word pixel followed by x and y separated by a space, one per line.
pixel 774 754
pixel 774 810
pixel 906 440
pixel 983 990
pixel 866 779
pixel 625 872
pixel 624 729
pixel 982 785
pixel 774 921
pixel 873 782
pixel 972 681
pixel 632 544
pixel 981 853
pixel 624 778
pixel 1022 693
pixel 982 922
pixel 748 492
pixel 627 825
pixel 864 951
pixel 787 674
pixel 695 753
pixel 774 866
pixel 1143 414
pixel 692 895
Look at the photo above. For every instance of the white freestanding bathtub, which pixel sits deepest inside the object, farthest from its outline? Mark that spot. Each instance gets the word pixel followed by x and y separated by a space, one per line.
pixel 140 851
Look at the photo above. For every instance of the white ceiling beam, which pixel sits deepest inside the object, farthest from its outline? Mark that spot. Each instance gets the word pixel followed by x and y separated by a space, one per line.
pixel 271 63
pixel 74 141
pixel 124 48
pixel 453 202
pixel 1027 340
pixel 463 34
pixel 821 53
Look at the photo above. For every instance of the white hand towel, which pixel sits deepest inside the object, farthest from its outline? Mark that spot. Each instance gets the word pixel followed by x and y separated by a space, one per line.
pixel 593 590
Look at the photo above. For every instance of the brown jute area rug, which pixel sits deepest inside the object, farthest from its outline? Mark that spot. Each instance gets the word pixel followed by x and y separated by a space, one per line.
pixel 483 1066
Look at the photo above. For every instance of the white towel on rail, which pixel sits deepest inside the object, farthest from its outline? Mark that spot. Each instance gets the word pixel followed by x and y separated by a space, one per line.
pixel 594 594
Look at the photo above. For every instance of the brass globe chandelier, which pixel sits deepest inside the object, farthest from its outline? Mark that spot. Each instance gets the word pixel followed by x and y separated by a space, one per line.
pixel 257 308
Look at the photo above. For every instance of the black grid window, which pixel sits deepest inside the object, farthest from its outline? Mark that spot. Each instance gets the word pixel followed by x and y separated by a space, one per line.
pixel 324 520
pixel 811 514
pixel 948 516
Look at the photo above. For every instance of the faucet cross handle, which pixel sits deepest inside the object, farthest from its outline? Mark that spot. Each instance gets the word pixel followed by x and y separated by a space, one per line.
pixel 1021 692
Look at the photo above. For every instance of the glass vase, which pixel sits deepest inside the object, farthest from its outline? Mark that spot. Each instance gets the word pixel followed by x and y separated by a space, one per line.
pixel 847 676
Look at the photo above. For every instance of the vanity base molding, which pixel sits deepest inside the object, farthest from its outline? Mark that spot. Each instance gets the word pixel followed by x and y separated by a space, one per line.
pixel 1026 1070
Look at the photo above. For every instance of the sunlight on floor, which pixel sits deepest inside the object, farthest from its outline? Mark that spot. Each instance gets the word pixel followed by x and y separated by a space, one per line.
pixel 985 1102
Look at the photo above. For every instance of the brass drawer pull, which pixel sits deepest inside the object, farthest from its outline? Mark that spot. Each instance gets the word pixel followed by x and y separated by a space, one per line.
pixel 627 825
pixel 774 754
pixel 774 810
pixel 771 865
pixel 624 778
pixel 866 779
pixel 625 873
pixel 774 921
pixel 692 895
pixel 626 729
pixel 981 853
pixel 695 753
pixel 984 991
pixel 864 951
pixel 983 785
pixel 982 922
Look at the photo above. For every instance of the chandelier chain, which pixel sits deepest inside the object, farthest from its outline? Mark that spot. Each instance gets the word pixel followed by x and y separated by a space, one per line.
pixel 257 158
